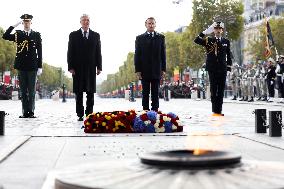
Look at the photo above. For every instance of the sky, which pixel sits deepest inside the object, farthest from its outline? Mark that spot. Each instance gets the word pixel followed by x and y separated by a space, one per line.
pixel 117 21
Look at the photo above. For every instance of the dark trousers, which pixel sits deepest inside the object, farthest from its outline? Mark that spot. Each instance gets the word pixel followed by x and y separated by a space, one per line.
pixel 270 86
pixel 27 81
pixel 154 84
pixel 217 86
pixel 89 103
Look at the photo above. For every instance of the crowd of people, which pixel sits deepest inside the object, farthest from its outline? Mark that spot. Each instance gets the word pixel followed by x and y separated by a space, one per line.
pixel 258 81
pixel 6 91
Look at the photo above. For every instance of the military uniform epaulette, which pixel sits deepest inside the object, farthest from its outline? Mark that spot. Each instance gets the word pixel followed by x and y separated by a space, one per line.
pixel 160 34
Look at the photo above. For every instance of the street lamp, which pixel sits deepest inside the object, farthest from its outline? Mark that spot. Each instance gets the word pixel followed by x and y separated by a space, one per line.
pixel 62 84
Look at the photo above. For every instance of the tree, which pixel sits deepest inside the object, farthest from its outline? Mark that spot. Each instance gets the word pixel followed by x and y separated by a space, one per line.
pixel 123 77
pixel 51 78
pixel 190 54
pixel 173 52
pixel 205 12
pixel 7 54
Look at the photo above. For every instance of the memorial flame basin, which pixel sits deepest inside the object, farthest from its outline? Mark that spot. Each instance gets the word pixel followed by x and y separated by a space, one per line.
pixel 173 170
pixel 191 158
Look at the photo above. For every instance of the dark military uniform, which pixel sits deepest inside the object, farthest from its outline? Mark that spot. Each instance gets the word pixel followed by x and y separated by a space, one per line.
pixel 271 75
pixel 217 62
pixel 28 60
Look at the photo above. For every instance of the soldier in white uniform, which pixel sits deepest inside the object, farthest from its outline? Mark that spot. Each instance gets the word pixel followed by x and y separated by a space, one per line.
pixel 234 74
pixel 244 83
pixel 250 74
pixel 257 81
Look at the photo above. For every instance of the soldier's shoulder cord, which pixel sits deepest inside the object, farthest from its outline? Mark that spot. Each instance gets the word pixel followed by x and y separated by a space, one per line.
pixel 210 47
pixel 16 35
pixel 206 40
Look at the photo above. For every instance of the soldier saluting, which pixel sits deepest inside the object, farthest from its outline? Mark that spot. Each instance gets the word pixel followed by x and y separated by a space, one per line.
pixel 218 62
pixel 28 61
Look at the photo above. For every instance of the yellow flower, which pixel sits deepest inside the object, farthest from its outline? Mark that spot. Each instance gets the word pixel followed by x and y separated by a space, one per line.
pixel 103 124
pixel 97 122
pixel 98 115
pixel 87 123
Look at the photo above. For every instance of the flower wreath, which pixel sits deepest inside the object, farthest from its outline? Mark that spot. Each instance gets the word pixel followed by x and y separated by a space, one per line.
pixel 131 121
pixel 157 122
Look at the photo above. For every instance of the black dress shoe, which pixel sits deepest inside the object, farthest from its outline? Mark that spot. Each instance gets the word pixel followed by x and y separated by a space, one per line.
pixel 80 119
pixel 24 116
pixel 32 115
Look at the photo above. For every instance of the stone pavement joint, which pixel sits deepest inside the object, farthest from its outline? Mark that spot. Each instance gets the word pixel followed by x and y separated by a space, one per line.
pixel 6 151
pixel 275 142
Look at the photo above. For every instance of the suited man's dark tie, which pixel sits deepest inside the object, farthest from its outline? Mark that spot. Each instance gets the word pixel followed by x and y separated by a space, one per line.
pixel 85 35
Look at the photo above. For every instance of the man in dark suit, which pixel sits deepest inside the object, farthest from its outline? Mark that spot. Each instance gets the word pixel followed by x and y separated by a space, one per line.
pixel 84 62
pixel 218 62
pixel 28 62
pixel 150 63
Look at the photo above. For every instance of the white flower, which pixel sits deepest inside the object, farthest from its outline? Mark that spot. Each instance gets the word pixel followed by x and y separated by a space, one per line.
pixel 156 125
pixel 174 127
pixel 157 121
pixel 160 130
pixel 165 118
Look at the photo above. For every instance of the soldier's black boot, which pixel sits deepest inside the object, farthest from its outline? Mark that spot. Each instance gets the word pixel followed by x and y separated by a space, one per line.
pixel 235 98
pixel 259 98
pixel 242 99
pixel 264 98
pixel 246 98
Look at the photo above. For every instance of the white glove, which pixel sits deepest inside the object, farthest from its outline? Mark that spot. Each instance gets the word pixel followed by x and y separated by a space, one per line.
pixel 209 30
pixel 39 71
pixel 271 82
pixel 17 24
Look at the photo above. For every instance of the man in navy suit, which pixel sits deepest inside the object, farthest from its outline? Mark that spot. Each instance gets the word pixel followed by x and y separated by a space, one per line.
pixel 84 62
pixel 218 62
pixel 150 63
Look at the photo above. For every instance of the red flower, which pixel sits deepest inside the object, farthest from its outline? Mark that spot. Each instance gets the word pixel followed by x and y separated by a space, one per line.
pixel 144 117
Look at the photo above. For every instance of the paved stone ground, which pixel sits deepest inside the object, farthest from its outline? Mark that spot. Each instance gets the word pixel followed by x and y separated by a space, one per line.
pixel 31 148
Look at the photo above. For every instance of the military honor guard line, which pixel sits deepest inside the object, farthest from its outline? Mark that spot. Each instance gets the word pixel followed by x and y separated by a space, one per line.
pixel 85 62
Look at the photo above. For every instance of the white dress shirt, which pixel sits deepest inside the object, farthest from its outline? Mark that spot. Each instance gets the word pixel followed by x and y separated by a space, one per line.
pixel 87 34
pixel 28 32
